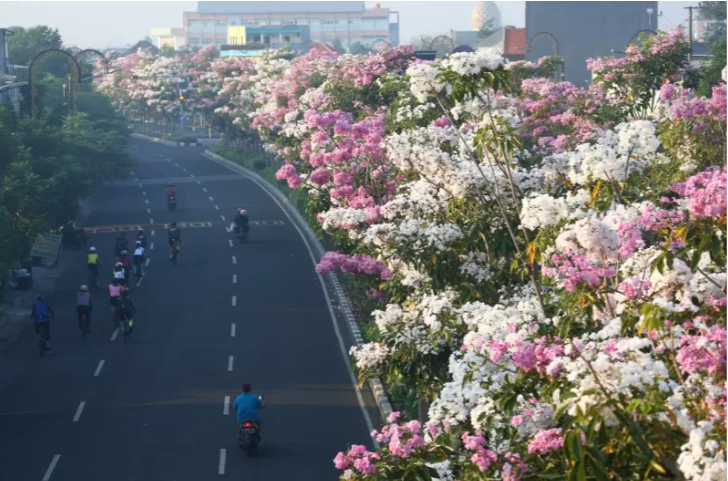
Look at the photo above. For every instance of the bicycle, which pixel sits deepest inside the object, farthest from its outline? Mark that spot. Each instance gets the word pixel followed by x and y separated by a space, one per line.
pixel 174 251
pixel 83 325
pixel 93 275
pixel 125 324
pixel 43 334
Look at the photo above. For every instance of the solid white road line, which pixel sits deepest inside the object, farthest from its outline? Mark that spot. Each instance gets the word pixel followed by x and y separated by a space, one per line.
pixel 98 368
pixel 226 406
pixel 231 242
pixel 342 346
pixel 232 330
pixel 204 190
pixel 230 363
pixel 146 262
pixel 211 199
pixel 235 300
pixel 235 261
pixel 116 333
pixel 49 471
pixel 222 217
pixel 221 466
pixel 79 411
pixel 235 278
pixel 151 246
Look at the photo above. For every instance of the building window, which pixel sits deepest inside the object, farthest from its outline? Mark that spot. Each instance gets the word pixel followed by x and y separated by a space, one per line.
pixel 275 22
pixel 220 23
pixel 315 21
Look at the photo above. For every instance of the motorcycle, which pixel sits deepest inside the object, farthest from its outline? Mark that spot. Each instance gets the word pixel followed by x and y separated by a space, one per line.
pixel 248 435
pixel 241 233
pixel 171 202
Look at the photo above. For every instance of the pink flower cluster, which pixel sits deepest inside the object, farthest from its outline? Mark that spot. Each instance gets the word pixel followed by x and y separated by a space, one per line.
pixel 356 264
pixel 359 458
pixel 482 458
pixel 288 173
pixel 704 352
pixel 575 269
pixel 546 441
pixel 706 192
pixel 635 287
pixel 527 355
pixel 401 439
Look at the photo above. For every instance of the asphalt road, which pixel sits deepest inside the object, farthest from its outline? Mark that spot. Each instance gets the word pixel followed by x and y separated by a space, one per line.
pixel 155 409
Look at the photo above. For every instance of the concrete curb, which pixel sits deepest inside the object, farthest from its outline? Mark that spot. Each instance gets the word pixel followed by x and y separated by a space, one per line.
pixel 380 396
pixel 163 142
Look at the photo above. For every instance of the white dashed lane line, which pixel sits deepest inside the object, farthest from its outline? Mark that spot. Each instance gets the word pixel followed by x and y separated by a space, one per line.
pixel 235 300
pixel 204 190
pixel 230 363
pixel 149 211
pixel 235 278
pixel 235 261
pixel 151 246
pixel 232 330
pixel 221 465
pixel 144 192
pixel 231 242
pixel 184 170
pixel 217 208
pixel 146 201
pixel 152 232
pixel 222 217
pixel 49 471
pixel 146 262
pixel 211 199
pixel 79 411
pixel 116 333
pixel 226 406
pixel 98 368
pixel 176 164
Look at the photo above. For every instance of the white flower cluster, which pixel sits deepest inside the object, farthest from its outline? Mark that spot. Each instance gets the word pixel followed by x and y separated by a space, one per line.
pixel 472 63
pixel 542 210
pixel 423 80
pixel 476 265
pixel 415 234
pixel 701 458
pixel 591 237
pixel 369 355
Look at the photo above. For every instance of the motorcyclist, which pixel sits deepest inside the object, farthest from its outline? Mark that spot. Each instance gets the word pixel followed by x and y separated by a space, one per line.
pixel 142 237
pixel 122 243
pixel 174 235
pixel 139 258
pixel 92 260
pixel 42 313
pixel 247 406
pixel 83 306
pixel 241 220
pixel 170 190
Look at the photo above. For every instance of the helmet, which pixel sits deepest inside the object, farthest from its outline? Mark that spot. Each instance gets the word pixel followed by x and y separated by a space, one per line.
pixel 170 184
pixel 240 210
pixel 138 243
pixel 141 231
pixel 39 297
pixel 84 288
pixel 119 264
pixel 124 253
pixel 92 249
pixel 243 212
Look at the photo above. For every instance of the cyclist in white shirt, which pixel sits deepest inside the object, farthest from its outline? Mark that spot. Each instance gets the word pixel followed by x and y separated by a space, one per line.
pixel 139 258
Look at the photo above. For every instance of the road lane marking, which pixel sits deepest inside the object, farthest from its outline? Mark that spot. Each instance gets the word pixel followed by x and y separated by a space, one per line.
pixel 151 246
pixel 140 281
pixel 192 175
pixel 79 411
pixel 211 199
pixel 151 220
pixel 146 201
pixel 217 208
pixel 144 192
pixel 231 242
pixel 131 172
pixel 49 471
pixel 167 159
pixel 198 182
pixel 235 300
pixel 230 363
pixel 204 190
pixel 235 278
pixel 136 178
pixel 176 164
pixel 146 263
pixel 235 261
pixel 222 217
pixel 337 331
pixel 221 466
pixel 98 368
pixel 152 232
pixel 232 330
pixel 116 333
pixel 149 211
pixel 184 170
pixel 226 406
pixel 140 186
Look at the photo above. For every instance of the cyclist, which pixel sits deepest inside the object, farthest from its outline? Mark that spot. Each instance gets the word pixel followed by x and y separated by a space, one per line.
pixel 126 262
pixel 142 237
pixel 126 309
pixel 114 295
pixel 42 313
pixel 139 258
pixel 119 274
pixel 121 243
pixel 170 190
pixel 83 307
pixel 174 235
pixel 92 259
pixel 247 406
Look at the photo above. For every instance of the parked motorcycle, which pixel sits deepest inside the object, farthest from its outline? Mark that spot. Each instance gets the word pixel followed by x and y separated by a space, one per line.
pixel 171 202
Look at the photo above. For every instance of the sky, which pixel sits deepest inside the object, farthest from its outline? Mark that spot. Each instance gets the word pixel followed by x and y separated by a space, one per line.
pixel 102 24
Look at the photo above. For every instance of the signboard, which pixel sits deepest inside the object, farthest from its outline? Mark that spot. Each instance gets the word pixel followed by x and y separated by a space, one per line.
pixel 46 247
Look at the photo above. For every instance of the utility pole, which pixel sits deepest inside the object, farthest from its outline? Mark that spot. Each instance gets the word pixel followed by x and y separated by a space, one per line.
pixel 690 31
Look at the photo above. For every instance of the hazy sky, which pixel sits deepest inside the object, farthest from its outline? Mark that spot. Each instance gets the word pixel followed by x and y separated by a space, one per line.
pixel 100 24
